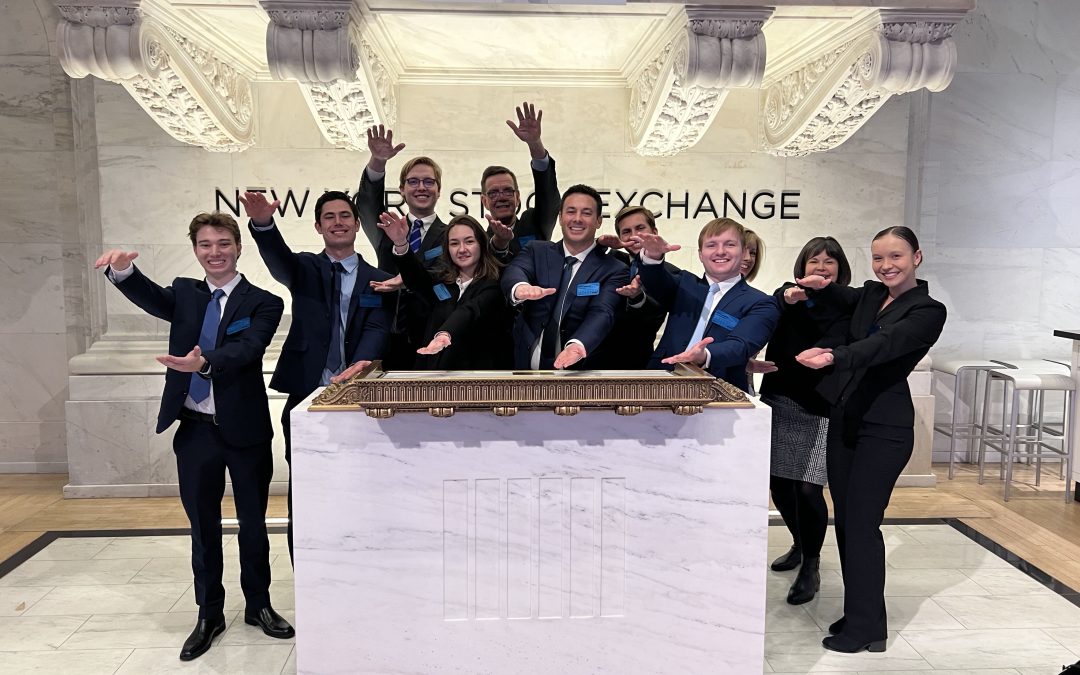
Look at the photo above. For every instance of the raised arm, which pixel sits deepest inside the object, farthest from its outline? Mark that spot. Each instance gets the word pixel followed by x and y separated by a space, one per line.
pixel 137 287
pixel 276 254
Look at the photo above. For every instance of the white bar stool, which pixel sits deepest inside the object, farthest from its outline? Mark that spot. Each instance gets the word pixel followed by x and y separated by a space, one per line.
pixel 955 429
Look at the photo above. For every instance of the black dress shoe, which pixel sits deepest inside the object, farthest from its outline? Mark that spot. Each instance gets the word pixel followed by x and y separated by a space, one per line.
pixel 836 627
pixel 202 637
pixel 846 645
pixel 788 561
pixel 272 623
pixel 807 583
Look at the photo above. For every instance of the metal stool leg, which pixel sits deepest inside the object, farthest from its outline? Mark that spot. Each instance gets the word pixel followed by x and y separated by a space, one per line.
pixel 1010 440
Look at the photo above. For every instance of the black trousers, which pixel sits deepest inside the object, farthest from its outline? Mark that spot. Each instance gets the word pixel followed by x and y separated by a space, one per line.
pixel 202 457
pixel 863 464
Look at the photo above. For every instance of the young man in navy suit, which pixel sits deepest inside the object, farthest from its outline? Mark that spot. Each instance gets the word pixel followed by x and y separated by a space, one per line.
pixel 339 325
pixel 221 326
pixel 567 291
pixel 716 321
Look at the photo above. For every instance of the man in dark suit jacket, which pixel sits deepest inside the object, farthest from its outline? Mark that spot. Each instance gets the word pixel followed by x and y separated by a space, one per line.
pixel 221 326
pixel 420 184
pixel 716 321
pixel 339 325
pixel 508 231
pixel 566 290
pixel 631 343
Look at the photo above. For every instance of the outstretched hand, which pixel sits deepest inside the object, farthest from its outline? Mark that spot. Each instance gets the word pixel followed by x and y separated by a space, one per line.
pixel 395 227
pixel 389 286
pixel 501 234
pixel 528 128
pixel 815 357
pixel 116 259
pixel 570 355
pixel 260 211
pixel 814 281
pixel 794 295
pixel 760 367
pixel 632 289
pixel 189 363
pixel 611 241
pixel 380 143
pixel 349 372
pixel 654 246
pixel 528 292
pixel 694 355
pixel 438 343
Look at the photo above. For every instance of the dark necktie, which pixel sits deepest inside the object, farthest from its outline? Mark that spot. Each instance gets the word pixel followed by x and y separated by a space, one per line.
pixel 199 390
pixel 415 235
pixel 552 339
pixel 333 354
pixel 633 269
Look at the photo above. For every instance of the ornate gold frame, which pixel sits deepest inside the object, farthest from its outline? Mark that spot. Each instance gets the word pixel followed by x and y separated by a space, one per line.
pixel 687 393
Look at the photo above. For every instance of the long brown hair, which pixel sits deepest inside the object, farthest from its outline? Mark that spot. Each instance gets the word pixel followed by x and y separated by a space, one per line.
pixel 486 268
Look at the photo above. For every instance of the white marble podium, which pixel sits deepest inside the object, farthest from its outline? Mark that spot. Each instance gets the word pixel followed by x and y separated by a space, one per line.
pixel 528 544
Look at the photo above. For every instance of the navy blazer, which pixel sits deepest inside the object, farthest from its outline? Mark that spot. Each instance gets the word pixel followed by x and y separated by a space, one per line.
pixel 248 323
pixel 588 318
pixel 755 315
pixel 371 203
pixel 631 342
pixel 537 222
pixel 876 350
pixel 309 277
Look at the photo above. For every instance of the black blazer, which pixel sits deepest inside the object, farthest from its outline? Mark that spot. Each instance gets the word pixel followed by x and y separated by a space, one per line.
pixel 309 276
pixel 475 320
pixel 371 202
pixel 801 326
pixel 248 324
pixel 588 318
pixel 633 339
pixel 877 349
pixel 537 222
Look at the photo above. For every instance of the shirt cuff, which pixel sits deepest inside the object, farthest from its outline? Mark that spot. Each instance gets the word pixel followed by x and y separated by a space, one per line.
pixel 708 359
pixel 646 260
pixel 374 175
pixel 513 294
pixel 575 341
pixel 116 276
pixel 261 228
pixel 637 304
pixel 541 164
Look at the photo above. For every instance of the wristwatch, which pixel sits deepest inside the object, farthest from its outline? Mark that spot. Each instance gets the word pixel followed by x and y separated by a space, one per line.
pixel 204 372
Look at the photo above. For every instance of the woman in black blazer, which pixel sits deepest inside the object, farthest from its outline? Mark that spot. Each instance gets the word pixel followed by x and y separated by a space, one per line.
pixel 465 307
pixel 893 324
pixel 800 416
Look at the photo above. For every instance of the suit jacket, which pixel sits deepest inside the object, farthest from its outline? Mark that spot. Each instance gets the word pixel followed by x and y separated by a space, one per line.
pixel 371 202
pixel 472 320
pixel 588 318
pixel 248 323
pixel 754 314
pixel 631 342
pixel 309 278
pixel 876 350
pixel 537 222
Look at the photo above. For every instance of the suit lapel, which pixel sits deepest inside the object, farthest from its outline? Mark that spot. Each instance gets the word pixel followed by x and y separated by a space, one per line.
pixel 434 235
pixel 736 291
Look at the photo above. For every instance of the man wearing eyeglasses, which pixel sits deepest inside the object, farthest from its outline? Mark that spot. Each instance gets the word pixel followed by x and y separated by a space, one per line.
pixel 508 231
pixel 420 184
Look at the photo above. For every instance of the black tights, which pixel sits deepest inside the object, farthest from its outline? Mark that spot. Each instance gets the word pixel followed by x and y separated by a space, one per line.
pixel 802 506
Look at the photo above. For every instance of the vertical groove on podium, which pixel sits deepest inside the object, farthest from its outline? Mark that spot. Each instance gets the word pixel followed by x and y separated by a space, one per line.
pixel 613 547
pixel 519 550
pixel 551 543
pixel 486 549
pixel 455 550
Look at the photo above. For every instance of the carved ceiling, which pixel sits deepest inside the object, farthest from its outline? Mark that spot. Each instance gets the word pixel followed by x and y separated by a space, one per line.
pixel 822 68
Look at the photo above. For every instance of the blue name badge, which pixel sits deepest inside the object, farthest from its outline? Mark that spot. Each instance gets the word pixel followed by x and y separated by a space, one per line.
pixel 238 325
pixel 441 292
pixel 525 239
pixel 585 290
pixel 369 300
pixel 724 320
pixel 433 253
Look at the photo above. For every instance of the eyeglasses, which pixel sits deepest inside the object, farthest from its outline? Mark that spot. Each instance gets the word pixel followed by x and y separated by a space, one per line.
pixel 416 182
pixel 505 192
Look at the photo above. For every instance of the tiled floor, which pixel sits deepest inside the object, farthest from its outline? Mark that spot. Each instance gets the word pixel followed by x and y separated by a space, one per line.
pixel 124 605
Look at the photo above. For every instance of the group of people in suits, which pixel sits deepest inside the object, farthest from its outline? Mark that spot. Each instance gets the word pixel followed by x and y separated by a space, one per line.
pixel 457 295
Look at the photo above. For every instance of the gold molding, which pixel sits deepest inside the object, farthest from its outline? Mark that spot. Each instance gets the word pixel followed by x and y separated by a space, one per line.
pixel 381 395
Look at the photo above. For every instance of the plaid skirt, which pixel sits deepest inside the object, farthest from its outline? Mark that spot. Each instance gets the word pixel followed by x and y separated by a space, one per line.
pixel 798 442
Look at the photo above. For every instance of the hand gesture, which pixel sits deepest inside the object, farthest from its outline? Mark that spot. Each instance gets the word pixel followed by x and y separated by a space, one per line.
pixel 611 241
pixel 654 246
pixel 573 353
pixel 190 363
pixel 694 355
pixel 116 259
pixel 438 343
pixel 395 227
pixel 260 211
pixel 528 292
pixel 813 281
pixel 794 295
pixel 380 143
pixel 349 372
pixel 756 366
pixel 816 357
pixel 501 234
pixel 631 290
pixel 528 129
pixel 389 286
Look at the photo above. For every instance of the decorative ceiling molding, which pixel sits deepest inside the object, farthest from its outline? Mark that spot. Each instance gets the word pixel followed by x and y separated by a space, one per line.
pixel 676 96
pixel 341 75
pixel 819 106
pixel 194 96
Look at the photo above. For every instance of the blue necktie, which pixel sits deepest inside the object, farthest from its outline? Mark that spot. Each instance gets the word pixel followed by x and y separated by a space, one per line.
pixel 199 390
pixel 706 314
pixel 415 235
pixel 551 337
pixel 633 269
pixel 333 353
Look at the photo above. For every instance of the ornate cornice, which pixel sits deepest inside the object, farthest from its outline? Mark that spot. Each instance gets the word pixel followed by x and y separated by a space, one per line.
pixel 116 13
pixel 676 96
pixel 193 95
pixel 820 105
